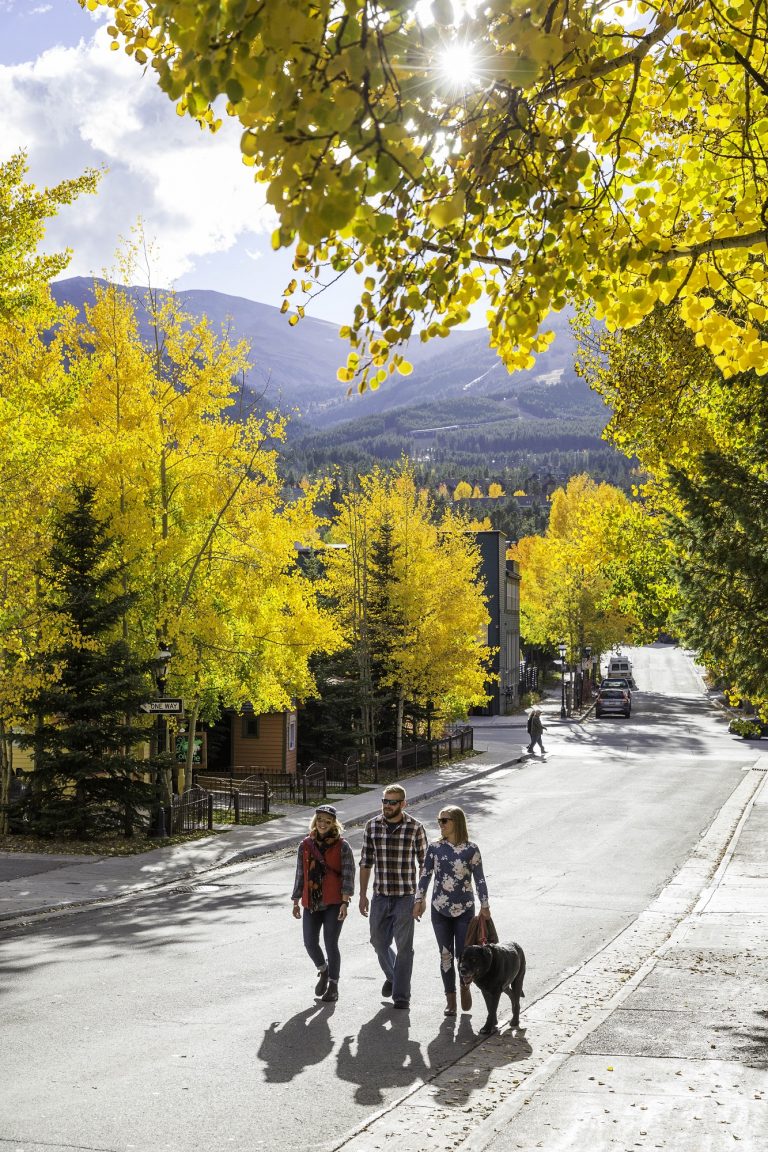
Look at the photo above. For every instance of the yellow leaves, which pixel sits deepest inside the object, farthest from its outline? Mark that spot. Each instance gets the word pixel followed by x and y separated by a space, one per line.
pixel 358 146
pixel 445 211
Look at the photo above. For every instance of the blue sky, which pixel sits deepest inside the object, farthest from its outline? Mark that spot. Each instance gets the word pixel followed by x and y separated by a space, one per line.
pixel 72 104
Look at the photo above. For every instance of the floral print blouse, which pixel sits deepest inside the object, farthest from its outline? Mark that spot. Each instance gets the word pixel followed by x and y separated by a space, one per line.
pixel 454 867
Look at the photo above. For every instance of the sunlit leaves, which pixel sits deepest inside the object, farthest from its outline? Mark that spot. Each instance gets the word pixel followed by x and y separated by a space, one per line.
pixel 25 272
pixel 584 158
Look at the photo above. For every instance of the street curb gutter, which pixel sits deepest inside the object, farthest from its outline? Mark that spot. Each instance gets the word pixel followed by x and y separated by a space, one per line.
pixel 268 848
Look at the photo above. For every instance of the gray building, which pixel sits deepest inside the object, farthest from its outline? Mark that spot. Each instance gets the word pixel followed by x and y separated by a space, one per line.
pixel 502 585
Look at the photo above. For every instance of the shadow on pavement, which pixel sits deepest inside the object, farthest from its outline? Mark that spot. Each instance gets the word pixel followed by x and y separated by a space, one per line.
pixel 178 918
pixel 287 1049
pixel 384 1056
pixel 456 1086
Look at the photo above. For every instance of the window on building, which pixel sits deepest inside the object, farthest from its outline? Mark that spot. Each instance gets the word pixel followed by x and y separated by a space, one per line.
pixel 250 727
pixel 291 733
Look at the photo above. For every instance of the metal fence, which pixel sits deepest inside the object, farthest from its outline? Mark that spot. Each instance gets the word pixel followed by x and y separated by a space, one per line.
pixel 239 800
pixel 190 812
pixel 340 774
pixel 418 756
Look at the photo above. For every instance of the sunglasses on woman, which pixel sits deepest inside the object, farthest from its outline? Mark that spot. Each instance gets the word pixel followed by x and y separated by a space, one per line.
pixel 445 819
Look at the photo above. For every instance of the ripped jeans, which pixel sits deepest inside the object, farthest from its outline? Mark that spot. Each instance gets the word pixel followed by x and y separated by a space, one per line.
pixel 450 933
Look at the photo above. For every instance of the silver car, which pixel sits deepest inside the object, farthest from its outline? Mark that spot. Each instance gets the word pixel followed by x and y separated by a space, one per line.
pixel 613 702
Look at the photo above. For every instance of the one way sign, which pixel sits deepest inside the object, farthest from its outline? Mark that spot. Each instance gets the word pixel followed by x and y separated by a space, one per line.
pixel 170 707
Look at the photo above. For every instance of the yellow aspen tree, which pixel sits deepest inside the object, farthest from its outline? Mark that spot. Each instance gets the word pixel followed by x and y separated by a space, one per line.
pixel 193 495
pixel 574 579
pixel 37 449
pixel 25 272
pixel 435 618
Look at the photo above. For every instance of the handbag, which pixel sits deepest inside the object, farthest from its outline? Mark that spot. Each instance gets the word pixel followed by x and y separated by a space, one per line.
pixel 481 931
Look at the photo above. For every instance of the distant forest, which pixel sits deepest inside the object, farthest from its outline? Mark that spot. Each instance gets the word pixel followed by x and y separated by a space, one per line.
pixel 482 442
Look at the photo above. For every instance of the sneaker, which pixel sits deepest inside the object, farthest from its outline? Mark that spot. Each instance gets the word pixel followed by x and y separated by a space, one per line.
pixel 322 981
pixel 386 988
pixel 402 1003
pixel 331 993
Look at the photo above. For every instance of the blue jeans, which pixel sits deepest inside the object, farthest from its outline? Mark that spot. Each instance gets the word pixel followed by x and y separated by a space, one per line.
pixel 391 920
pixel 327 919
pixel 450 933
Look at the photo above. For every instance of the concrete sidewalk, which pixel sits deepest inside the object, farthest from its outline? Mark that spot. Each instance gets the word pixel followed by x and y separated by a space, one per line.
pixel 34 884
pixel 658 1041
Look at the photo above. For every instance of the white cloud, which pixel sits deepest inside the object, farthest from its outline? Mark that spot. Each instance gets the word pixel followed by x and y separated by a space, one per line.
pixel 84 106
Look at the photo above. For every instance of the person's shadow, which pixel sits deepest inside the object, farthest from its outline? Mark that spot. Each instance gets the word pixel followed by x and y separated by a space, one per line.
pixel 289 1048
pixel 454 1038
pixel 384 1057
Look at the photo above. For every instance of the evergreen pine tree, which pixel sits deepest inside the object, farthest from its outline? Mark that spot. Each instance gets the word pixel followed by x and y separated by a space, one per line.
pixel 386 628
pixel 722 564
pixel 86 779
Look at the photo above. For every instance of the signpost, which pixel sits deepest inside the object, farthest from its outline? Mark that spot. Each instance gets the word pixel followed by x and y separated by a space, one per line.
pixel 168 706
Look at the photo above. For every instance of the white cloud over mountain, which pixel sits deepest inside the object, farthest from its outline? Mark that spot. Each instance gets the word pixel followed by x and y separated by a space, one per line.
pixel 83 106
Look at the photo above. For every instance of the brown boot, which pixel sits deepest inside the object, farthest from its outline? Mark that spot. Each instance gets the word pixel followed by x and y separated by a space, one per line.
pixel 466 998
pixel 450 1004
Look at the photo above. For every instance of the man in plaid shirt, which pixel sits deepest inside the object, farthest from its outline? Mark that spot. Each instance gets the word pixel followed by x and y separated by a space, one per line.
pixel 393 844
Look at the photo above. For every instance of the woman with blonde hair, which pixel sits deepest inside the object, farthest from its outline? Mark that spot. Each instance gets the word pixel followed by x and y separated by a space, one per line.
pixel 454 863
pixel 324 886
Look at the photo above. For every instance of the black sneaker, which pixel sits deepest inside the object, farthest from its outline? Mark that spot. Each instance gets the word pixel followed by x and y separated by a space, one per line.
pixel 402 1004
pixel 386 988
pixel 331 993
pixel 322 981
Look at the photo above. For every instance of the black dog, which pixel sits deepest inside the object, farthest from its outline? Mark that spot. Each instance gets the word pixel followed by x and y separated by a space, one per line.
pixel 495 968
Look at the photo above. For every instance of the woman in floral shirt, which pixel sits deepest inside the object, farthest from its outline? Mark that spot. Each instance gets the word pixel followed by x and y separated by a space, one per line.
pixel 454 863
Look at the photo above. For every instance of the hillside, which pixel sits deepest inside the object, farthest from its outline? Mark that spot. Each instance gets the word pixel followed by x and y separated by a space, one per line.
pixel 295 368
pixel 459 416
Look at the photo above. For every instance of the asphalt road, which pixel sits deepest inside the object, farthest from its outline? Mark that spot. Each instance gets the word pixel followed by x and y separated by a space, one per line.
pixel 186 1020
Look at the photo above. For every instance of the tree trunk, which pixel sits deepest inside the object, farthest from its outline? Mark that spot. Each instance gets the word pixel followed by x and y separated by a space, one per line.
pixel 6 768
pixel 399 729
pixel 191 733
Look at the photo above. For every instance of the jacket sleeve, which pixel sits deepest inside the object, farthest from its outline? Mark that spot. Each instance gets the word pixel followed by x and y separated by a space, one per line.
pixel 347 870
pixel 476 864
pixel 298 883
pixel 427 871
pixel 421 845
pixel 367 855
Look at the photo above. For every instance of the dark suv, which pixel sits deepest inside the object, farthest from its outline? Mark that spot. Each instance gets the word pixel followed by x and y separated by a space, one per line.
pixel 613 702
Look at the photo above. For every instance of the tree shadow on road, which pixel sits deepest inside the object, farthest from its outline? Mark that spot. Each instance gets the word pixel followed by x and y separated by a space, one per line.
pixel 177 919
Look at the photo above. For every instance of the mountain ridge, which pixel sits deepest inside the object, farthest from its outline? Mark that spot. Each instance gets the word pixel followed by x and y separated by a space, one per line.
pixel 295 367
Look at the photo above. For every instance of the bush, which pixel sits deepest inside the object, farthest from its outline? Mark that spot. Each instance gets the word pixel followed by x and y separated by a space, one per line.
pixel 750 728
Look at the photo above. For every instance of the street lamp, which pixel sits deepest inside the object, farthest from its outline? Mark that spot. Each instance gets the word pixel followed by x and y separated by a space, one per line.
pixel 562 649
pixel 588 658
pixel 162 664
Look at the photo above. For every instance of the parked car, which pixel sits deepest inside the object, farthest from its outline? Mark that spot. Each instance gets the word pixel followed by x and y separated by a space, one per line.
pixel 617 682
pixel 613 702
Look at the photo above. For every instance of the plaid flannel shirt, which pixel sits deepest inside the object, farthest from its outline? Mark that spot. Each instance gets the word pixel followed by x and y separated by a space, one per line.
pixel 393 851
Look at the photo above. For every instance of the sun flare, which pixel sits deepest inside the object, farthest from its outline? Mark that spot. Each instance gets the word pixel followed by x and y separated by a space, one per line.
pixel 459 66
